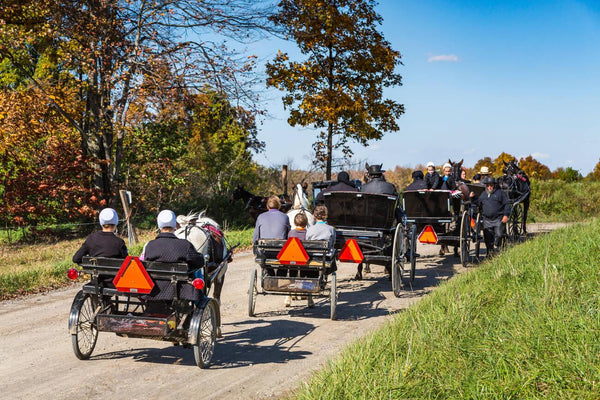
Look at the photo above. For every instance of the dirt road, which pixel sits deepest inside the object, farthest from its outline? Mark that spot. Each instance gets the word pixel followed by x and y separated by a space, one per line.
pixel 260 357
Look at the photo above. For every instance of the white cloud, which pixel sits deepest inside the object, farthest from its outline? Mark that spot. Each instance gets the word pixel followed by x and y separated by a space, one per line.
pixel 443 57
pixel 538 155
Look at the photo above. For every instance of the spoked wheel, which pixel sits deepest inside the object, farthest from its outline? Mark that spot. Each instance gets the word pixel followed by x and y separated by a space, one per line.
pixel 465 238
pixel 333 294
pixel 82 324
pixel 515 223
pixel 413 251
pixel 398 260
pixel 205 321
pixel 477 237
pixel 252 293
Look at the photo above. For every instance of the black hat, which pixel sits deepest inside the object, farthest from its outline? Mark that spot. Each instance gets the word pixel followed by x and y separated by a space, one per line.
pixel 343 177
pixel 375 169
pixel 489 180
pixel 417 174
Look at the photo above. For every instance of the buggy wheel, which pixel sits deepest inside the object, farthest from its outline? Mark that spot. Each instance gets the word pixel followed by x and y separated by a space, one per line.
pixel 413 251
pixel 465 238
pixel 398 260
pixel 515 223
pixel 252 293
pixel 82 324
pixel 477 238
pixel 204 348
pixel 333 294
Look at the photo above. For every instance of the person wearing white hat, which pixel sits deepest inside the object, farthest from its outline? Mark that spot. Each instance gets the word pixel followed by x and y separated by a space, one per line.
pixel 167 247
pixel 484 171
pixel 104 243
pixel 448 182
pixel 432 178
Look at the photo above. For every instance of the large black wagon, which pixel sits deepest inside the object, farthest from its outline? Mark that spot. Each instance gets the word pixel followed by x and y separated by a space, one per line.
pixel 440 218
pixel 145 299
pixel 373 224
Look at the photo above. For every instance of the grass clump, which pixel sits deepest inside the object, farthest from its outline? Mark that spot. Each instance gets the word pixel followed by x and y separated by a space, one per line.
pixel 525 325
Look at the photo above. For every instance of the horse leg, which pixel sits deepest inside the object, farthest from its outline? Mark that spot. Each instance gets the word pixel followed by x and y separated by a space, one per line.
pixel 359 270
pixel 218 287
pixel 525 209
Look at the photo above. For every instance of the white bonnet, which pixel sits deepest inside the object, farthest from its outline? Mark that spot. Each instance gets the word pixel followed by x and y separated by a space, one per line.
pixel 166 219
pixel 108 216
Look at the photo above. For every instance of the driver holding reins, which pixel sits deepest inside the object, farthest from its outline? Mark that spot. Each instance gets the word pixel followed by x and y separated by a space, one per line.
pixel 495 209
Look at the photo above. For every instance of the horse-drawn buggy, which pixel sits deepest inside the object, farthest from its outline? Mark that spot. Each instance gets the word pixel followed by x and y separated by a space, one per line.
pixel 517 187
pixel 442 218
pixel 154 300
pixel 294 267
pixel 370 230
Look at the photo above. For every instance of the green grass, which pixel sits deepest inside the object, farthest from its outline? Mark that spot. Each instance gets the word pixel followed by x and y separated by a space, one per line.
pixel 40 267
pixel 524 326
pixel 558 201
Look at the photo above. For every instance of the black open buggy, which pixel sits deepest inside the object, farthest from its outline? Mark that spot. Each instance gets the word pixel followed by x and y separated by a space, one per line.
pixel 162 301
pixel 373 224
pixel 442 219
pixel 294 267
pixel 515 226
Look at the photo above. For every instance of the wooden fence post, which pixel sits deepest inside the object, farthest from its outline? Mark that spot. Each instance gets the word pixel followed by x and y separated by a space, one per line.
pixel 126 201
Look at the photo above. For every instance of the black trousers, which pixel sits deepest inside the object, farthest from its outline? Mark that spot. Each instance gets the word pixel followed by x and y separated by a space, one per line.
pixel 493 233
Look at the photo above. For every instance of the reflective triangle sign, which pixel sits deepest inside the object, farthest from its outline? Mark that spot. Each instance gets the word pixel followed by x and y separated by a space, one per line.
pixel 428 235
pixel 472 223
pixel 293 253
pixel 351 252
pixel 133 277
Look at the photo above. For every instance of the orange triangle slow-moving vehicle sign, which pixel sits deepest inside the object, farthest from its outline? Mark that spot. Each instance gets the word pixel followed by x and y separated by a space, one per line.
pixel 133 277
pixel 428 235
pixel 293 253
pixel 351 252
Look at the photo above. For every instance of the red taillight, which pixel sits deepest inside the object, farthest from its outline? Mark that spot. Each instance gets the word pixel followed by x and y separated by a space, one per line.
pixel 198 283
pixel 72 274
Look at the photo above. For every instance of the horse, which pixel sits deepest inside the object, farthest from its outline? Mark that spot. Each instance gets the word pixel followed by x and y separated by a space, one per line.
pixel 300 205
pixel 208 239
pixel 455 170
pixel 256 205
pixel 517 185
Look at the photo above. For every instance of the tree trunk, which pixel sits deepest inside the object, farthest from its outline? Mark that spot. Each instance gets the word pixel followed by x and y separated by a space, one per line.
pixel 329 150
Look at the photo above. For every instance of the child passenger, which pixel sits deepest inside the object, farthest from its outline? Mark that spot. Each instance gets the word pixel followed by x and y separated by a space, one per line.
pixel 300 220
pixel 104 243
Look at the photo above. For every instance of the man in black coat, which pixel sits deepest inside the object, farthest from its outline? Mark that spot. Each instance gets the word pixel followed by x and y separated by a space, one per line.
pixel 169 248
pixel 418 183
pixel 343 185
pixel 495 209
pixel 104 243
pixel 377 182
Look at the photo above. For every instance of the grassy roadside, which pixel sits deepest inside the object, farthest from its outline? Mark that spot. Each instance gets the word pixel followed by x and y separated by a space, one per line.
pixel 36 268
pixel 525 325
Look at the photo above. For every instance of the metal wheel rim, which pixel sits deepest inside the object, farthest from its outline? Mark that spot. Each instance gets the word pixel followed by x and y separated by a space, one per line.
pixel 516 222
pixel 252 294
pixel 206 335
pixel 333 295
pixel 478 238
pixel 413 246
pixel 465 243
pixel 87 332
pixel 397 261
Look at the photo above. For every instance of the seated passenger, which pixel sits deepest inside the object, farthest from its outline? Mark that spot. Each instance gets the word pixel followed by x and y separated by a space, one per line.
pixel 104 243
pixel 376 182
pixel 272 224
pixel 300 220
pixel 320 231
pixel 169 248
pixel 463 175
pixel 418 183
pixel 432 178
pixel 448 182
pixel 343 185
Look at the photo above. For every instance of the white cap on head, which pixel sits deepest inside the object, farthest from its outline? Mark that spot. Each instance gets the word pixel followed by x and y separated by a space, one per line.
pixel 166 219
pixel 108 216
pixel 447 165
pixel 430 164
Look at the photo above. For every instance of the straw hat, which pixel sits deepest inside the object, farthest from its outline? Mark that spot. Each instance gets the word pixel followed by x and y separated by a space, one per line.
pixel 484 170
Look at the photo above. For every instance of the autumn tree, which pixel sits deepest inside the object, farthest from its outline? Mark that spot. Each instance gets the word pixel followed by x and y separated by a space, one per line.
pixel 595 174
pixel 534 169
pixel 499 161
pixel 105 50
pixel 339 85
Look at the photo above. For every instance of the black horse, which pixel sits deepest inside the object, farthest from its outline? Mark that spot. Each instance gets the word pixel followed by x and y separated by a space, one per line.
pixel 256 205
pixel 517 186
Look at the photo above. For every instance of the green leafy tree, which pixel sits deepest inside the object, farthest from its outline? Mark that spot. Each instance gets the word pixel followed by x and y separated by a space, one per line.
pixel 568 174
pixel 339 85
pixel 107 52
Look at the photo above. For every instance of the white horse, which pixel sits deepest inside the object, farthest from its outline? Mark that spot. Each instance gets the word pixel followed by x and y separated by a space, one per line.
pixel 206 236
pixel 300 205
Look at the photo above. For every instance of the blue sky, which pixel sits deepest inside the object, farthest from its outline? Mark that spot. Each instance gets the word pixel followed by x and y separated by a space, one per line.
pixel 479 78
